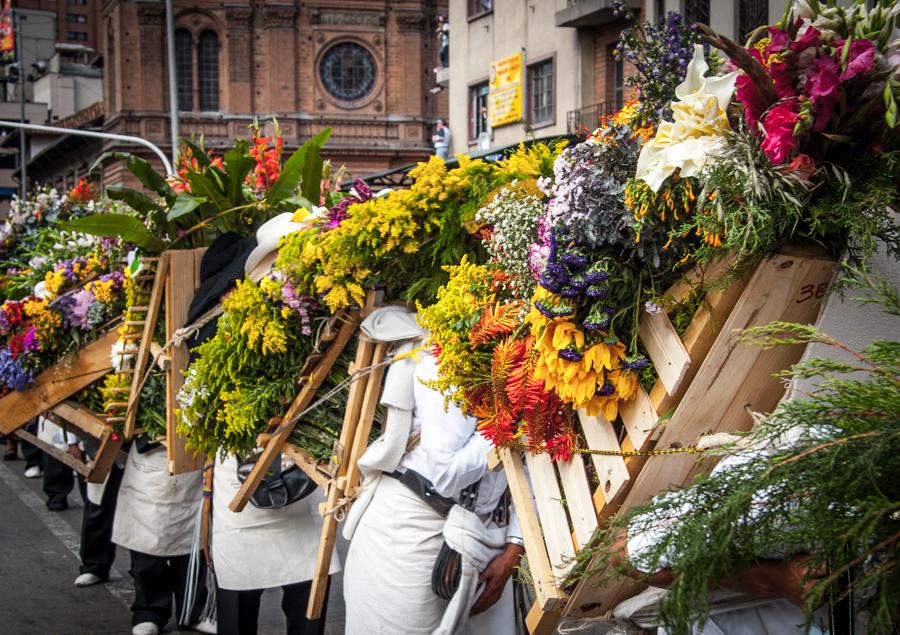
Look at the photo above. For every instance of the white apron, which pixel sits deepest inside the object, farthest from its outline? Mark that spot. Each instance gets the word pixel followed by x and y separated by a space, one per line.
pixel 263 548
pixel 156 512
pixel 387 579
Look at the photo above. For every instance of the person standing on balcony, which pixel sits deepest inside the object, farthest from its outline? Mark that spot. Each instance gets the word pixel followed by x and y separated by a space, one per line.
pixel 443 34
pixel 441 139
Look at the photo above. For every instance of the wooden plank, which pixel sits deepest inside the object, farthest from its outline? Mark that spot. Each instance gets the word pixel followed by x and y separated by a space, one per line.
pixel 374 384
pixel 551 512
pixel 731 379
pixel 301 401
pixel 110 446
pixel 143 354
pixel 665 348
pixel 548 596
pixel 306 463
pixel 639 417
pixel 60 455
pixel 577 491
pixel 181 282
pixel 365 351
pixel 541 622
pixel 57 383
pixel 611 470
pixel 80 417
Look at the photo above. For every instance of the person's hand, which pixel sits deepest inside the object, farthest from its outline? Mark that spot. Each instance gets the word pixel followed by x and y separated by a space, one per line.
pixel 76 451
pixel 494 578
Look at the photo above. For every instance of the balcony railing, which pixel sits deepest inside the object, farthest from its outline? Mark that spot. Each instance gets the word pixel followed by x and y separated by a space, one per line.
pixel 586 119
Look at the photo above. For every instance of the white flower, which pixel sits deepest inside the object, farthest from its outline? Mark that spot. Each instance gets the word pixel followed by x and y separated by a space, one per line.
pixel 698 128
pixel 121 354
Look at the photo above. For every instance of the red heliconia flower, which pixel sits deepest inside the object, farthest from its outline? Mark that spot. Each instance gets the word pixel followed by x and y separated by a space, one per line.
pixel 561 446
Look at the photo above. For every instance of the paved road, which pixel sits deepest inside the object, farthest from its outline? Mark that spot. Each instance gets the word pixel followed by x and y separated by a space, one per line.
pixel 39 562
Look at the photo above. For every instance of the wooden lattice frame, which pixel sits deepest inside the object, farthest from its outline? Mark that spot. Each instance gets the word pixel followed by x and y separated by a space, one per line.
pixel 703 372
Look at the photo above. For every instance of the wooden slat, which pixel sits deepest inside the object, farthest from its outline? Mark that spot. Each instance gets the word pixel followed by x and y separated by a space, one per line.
pixel 364 353
pixel 181 283
pixel 374 383
pixel 548 597
pixel 639 417
pixel 60 455
pixel 611 470
pixel 143 354
pixel 541 622
pixel 577 492
pixel 551 513
pixel 110 446
pixel 730 380
pixel 80 417
pixel 306 463
pixel 665 348
pixel 301 401
pixel 59 382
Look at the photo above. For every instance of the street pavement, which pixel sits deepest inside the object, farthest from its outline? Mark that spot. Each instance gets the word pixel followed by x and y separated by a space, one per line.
pixel 39 563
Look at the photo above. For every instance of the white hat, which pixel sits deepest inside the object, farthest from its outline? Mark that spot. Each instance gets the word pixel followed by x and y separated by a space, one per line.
pixel 392 323
pixel 268 235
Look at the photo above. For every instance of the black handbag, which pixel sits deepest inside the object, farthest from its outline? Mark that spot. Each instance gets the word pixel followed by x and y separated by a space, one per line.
pixel 447 571
pixel 278 489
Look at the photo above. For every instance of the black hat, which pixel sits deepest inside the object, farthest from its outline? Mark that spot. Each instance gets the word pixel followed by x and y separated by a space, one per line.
pixel 221 266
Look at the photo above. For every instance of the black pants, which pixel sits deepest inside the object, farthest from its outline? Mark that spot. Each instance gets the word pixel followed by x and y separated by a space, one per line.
pixel 156 580
pixel 97 549
pixel 238 611
pixel 59 479
pixel 33 454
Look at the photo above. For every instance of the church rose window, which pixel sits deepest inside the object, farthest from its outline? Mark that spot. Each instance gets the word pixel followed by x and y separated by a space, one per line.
pixel 348 71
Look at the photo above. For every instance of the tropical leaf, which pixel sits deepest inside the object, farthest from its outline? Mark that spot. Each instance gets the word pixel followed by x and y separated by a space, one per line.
pixel 238 165
pixel 150 178
pixel 128 228
pixel 311 176
pixel 286 183
pixel 134 199
pixel 184 204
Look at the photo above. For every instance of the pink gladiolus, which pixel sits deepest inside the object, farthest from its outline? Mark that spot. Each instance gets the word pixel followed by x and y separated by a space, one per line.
pixel 746 93
pixel 778 126
pixel 822 88
pixel 860 58
pixel 809 39
pixel 778 39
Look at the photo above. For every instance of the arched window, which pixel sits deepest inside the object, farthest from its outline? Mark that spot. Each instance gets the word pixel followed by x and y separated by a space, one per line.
pixel 184 68
pixel 208 70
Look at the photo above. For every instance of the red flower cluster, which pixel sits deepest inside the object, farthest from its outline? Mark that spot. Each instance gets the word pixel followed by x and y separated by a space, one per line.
pixel 267 153
pixel 188 164
pixel 83 192
pixel 809 75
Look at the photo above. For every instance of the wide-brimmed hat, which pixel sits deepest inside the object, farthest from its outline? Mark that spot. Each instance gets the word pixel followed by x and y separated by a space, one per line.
pixel 261 259
pixel 221 266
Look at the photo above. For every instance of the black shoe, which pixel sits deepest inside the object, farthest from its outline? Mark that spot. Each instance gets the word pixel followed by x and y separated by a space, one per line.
pixel 11 455
pixel 57 505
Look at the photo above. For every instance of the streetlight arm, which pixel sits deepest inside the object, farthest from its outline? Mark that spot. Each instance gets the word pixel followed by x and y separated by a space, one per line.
pixel 96 135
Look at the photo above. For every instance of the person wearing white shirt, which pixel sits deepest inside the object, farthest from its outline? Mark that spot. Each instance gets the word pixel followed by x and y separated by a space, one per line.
pixel 398 533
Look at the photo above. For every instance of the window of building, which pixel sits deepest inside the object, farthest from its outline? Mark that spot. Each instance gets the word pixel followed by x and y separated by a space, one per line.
pixel 540 93
pixel 660 10
pixel 82 3
pixel 184 69
pixel 478 109
pixel 76 35
pixel 753 13
pixel 348 71
pixel 480 7
pixel 696 11
pixel 74 17
pixel 110 70
pixel 208 70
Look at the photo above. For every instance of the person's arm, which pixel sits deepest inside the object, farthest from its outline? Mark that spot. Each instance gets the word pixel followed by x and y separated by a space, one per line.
pixel 495 577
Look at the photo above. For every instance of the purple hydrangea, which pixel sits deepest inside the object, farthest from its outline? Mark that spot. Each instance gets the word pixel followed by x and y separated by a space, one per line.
pixel 12 373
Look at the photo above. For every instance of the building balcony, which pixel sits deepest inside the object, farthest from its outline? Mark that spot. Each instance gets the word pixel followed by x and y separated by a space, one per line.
pixel 590 13
pixel 442 76
pixel 585 120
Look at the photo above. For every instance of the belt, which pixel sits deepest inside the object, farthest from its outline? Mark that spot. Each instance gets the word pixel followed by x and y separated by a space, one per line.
pixel 423 488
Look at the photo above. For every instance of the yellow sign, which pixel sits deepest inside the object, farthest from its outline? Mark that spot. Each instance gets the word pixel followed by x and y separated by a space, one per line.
pixel 505 90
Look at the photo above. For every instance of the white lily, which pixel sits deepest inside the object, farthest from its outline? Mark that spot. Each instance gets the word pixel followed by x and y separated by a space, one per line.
pixel 698 127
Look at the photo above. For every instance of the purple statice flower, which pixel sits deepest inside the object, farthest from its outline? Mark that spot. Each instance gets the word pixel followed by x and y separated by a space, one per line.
pixel 595 291
pixel 574 259
pixel 596 274
pixel 550 284
pixel 570 292
pixel 636 362
pixel 570 354
pixel 553 311
pixel 598 319
pixel 299 303
pixel 117 277
pixel 339 212
pixel 362 189
pixel 12 373
pixel 606 389
pixel 556 270
pixel 578 282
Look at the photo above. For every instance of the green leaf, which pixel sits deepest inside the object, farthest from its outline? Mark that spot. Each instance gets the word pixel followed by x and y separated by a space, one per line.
pixel 134 199
pixel 311 180
pixel 128 228
pixel 150 178
pixel 293 169
pixel 184 204
pixel 298 201
pixel 238 165
pixel 204 185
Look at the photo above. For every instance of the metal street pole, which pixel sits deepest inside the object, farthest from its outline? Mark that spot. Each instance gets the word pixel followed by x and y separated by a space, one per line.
pixel 23 142
pixel 95 135
pixel 173 87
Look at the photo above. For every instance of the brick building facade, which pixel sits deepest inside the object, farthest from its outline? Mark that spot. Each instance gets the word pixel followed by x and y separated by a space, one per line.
pixel 362 67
